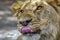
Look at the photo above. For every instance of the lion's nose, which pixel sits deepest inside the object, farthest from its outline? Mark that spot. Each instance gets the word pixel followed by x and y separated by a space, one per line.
pixel 25 22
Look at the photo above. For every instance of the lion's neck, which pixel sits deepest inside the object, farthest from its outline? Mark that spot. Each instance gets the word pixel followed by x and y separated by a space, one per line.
pixel 33 37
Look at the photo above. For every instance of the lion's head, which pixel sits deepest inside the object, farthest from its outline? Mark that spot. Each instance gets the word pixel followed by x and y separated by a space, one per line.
pixel 36 15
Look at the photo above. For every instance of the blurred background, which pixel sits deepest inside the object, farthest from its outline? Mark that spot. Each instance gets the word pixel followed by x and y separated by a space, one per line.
pixel 8 25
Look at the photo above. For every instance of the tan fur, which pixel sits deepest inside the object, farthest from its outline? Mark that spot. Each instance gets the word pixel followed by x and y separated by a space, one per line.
pixel 45 16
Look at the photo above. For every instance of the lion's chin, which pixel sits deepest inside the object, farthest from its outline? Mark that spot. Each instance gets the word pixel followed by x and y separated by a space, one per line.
pixel 33 37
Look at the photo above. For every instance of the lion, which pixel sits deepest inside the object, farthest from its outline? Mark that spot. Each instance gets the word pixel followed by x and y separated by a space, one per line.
pixel 38 20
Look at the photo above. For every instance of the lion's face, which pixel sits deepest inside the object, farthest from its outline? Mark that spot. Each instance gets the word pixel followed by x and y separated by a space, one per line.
pixel 33 19
pixel 30 19
pixel 36 17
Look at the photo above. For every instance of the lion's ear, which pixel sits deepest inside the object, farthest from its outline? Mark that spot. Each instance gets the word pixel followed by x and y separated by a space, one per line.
pixel 17 5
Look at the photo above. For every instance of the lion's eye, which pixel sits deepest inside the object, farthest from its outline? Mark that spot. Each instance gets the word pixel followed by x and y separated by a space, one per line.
pixel 21 11
pixel 39 7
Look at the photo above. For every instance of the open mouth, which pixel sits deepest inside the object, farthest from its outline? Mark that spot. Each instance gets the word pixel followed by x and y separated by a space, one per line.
pixel 28 30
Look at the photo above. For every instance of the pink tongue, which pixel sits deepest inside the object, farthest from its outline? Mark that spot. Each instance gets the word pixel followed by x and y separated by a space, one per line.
pixel 26 29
